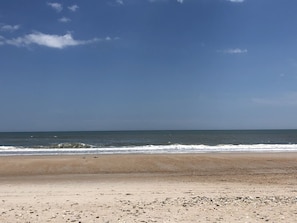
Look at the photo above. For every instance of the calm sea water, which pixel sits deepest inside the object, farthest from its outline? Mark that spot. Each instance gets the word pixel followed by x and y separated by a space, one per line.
pixel 123 142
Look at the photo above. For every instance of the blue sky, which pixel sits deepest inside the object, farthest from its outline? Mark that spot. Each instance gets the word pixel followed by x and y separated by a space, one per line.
pixel 147 64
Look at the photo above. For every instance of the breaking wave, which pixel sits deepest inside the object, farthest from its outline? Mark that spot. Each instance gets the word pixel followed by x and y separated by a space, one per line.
pixel 81 148
pixel 71 145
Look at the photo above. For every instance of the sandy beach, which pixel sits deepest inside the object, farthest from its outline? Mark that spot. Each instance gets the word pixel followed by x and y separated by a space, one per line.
pixel 218 187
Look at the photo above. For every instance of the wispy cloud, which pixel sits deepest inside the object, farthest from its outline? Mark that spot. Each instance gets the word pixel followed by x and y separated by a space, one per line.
pixel 108 38
pixel 2 40
pixel 120 2
pixel 115 3
pixel 9 28
pixel 64 20
pixel 287 99
pixel 179 1
pixel 47 40
pixel 56 6
pixel 73 8
pixel 236 1
pixel 234 51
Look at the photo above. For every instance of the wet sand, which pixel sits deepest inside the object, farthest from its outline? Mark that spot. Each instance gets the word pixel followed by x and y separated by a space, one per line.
pixel 225 187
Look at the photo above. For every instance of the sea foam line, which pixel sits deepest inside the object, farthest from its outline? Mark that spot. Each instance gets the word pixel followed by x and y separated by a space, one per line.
pixel 151 149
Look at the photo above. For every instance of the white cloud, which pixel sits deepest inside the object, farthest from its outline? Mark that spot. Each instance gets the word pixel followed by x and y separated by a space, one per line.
pixel 56 6
pixel 9 28
pixel 179 1
pixel 64 19
pixel 236 1
pixel 235 51
pixel 120 2
pixel 73 8
pixel 52 41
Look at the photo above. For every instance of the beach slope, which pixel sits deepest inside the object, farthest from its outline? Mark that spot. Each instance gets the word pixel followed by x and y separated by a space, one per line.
pixel 219 187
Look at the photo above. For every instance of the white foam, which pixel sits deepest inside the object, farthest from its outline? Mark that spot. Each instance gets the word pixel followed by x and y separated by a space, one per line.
pixel 150 149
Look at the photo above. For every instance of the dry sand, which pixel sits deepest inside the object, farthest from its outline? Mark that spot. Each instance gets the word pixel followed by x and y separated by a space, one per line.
pixel 231 187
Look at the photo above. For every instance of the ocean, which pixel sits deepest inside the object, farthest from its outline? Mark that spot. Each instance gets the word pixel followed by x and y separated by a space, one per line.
pixel 146 142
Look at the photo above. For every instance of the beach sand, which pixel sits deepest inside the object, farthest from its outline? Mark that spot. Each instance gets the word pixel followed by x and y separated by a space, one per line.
pixel 218 187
